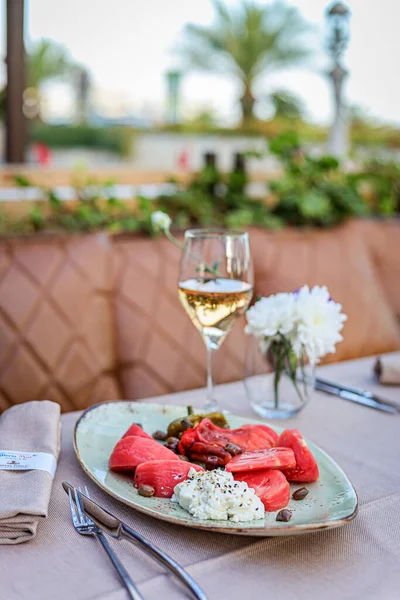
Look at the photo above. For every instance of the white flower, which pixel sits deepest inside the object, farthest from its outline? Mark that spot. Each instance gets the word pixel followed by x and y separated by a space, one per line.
pixel 160 221
pixel 319 321
pixel 308 319
pixel 272 316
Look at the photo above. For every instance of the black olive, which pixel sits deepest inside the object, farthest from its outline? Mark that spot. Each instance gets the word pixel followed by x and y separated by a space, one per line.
pixel 172 440
pixel 233 449
pixel 160 435
pixel 212 462
pixel 146 490
pixel 186 424
pixel 284 515
pixel 172 446
pixel 300 493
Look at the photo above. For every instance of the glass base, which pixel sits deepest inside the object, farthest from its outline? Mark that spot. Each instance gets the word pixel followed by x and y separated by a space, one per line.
pixel 275 413
pixel 211 406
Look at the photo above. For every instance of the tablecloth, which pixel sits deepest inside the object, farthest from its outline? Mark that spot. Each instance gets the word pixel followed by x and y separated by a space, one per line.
pixel 359 560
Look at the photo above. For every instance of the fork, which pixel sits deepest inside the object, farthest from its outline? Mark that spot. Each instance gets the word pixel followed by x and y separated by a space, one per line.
pixel 85 526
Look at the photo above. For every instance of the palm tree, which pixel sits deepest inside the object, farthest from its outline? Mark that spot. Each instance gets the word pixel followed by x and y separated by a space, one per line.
pixel 286 105
pixel 246 43
pixel 47 60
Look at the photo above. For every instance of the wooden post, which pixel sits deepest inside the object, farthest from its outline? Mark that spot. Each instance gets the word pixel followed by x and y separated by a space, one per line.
pixel 15 119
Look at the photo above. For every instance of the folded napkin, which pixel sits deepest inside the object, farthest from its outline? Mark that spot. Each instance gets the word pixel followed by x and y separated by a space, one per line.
pixel 25 495
pixel 387 369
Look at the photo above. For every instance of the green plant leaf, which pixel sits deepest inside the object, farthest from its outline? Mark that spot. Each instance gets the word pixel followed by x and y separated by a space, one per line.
pixel 22 181
pixel 314 205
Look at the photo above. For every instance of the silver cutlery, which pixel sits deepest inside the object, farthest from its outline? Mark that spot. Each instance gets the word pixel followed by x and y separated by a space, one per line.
pixel 359 391
pixel 85 526
pixel 117 529
pixel 355 395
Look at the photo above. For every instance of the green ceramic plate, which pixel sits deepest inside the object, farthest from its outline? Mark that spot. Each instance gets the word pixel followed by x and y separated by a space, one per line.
pixel 332 500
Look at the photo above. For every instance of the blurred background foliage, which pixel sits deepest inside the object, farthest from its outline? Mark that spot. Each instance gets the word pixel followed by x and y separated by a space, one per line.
pixel 313 191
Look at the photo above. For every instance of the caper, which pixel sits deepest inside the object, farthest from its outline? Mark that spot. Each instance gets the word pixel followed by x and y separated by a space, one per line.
pixel 146 490
pixel 160 435
pixel 233 449
pixel 284 515
pixel 300 493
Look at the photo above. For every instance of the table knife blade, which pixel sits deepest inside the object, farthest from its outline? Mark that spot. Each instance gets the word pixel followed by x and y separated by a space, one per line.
pixel 118 529
pixel 356 398
pixel 356 390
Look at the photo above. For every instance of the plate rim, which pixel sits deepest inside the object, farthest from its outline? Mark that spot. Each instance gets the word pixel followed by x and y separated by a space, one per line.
pixel 286 529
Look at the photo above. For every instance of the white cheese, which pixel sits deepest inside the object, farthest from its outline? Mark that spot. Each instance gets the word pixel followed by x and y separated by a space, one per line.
pixel 217 496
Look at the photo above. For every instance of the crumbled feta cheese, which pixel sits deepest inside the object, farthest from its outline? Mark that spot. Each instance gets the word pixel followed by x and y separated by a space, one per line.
pixel 217 496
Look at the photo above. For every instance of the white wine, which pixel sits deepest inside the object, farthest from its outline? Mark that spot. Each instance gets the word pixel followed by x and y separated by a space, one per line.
pixel 214 305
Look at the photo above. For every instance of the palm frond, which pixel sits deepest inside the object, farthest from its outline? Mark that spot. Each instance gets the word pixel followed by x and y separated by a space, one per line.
pixel 47 60
pixel 248 41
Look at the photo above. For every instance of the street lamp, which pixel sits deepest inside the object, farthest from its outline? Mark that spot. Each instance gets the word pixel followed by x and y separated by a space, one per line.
pixel 173 79
pixel 338 37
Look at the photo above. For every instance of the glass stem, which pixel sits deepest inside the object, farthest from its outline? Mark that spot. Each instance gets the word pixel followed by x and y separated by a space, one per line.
pixel 211 403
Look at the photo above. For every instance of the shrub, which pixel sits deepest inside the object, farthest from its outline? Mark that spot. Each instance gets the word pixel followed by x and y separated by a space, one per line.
pixel 113 139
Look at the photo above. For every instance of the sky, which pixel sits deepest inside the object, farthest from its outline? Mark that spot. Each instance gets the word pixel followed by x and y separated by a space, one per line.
pixel 128 45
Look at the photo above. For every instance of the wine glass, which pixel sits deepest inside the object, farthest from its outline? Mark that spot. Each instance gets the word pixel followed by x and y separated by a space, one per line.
pixel 215 287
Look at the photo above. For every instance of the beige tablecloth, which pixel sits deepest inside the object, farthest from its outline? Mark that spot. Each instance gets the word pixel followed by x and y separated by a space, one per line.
pixel 358 561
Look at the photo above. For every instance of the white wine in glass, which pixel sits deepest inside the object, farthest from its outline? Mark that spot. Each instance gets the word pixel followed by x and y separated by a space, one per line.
pixel 215 287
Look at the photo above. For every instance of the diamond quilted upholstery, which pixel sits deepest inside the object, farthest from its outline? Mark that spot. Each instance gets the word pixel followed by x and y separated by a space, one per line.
pixel 56 321
pixel 340 259
pixel 160 351
pixel 383 238
pixel 80 317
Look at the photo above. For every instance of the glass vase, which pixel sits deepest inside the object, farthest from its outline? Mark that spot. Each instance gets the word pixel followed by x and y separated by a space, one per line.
pixel 278 384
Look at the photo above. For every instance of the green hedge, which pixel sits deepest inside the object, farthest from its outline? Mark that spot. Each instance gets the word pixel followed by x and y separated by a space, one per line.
pixel 113 139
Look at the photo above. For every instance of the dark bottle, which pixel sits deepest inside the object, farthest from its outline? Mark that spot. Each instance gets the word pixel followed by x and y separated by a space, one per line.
pixel 237 181
pixel 210 178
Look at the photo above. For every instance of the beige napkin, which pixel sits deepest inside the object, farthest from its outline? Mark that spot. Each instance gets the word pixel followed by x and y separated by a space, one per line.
pixel 25 495
pixel 387 369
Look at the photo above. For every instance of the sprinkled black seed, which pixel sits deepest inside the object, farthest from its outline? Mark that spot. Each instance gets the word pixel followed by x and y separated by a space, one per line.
pixel 300 493
pixel 284 515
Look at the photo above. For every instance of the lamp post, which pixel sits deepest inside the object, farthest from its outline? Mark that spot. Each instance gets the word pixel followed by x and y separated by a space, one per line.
pixel 338 37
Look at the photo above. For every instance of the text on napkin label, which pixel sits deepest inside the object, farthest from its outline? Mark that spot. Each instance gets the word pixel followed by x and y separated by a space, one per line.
pixel 11 460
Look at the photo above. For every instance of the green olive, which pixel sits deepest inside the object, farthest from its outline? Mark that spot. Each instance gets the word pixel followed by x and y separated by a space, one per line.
pixel 180 425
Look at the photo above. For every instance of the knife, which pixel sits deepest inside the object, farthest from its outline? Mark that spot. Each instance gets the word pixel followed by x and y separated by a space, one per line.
pixel 354 397
pixel 120 530
pixel 356 390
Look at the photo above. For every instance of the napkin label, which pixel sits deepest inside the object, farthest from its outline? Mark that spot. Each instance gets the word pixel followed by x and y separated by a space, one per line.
pixel 11 460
